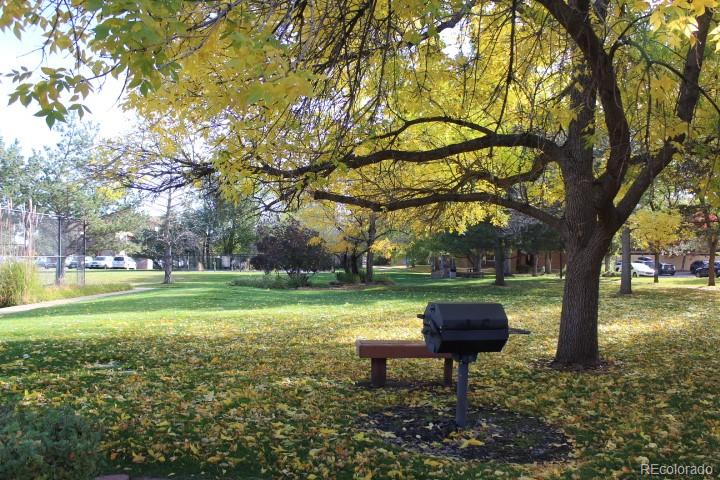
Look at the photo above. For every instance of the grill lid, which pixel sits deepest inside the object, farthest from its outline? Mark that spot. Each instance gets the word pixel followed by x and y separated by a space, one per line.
pixel 466 316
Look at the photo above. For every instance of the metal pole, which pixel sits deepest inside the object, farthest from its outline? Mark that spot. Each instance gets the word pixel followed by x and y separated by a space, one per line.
pixel 84 252
pixel 462 389
pixel 59 266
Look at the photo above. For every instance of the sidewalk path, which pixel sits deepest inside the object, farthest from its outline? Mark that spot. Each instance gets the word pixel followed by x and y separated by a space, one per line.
pixel 66 301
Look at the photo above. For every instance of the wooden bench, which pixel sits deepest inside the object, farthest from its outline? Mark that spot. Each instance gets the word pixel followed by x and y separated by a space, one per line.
pixel 378 351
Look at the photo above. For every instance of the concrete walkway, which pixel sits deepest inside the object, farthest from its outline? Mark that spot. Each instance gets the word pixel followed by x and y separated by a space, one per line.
pixel 66 301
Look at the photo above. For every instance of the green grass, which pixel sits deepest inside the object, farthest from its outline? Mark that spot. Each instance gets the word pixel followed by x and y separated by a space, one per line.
pixel 70 291
pixel 204 380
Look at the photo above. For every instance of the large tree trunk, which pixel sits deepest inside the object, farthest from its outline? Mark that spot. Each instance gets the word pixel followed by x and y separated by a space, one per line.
pixel 167 255
pixel 578 339
pixel 534 264
pixel 500 263
pixel 626 271
pixel 370 242
pixel 712 245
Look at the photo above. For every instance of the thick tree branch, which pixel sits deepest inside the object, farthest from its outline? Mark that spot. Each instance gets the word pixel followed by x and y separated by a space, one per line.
pixel 486 197
pixel 580 29
pixel 436 119
pixel 536 170
pixel 524 140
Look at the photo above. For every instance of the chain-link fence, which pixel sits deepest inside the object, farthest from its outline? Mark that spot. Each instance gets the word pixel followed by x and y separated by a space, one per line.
pixel 55 244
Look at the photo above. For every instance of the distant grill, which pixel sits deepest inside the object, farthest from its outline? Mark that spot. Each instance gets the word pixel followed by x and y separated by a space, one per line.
pixel 465 329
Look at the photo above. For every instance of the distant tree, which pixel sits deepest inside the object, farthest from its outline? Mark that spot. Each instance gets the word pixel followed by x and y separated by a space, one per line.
pixel 418 249
pixel 706 200
pixel 60 181
pixel 17 173
pixel 656 232
pixel 222 226
pixel 470 244
pixel 536 237
pixel 349 233
pixel 290 247
pixel 169 239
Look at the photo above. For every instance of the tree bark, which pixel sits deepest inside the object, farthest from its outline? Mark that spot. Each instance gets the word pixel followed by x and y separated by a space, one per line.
pixel 561 264
pixel 712 245
pixel 607 262
pixel 656 276
pixel 626 272
pixel 477 263
pixel 354 263
pixel 578 339
pixel 167 256
pixel 548 263
pixel 346 263
pixel 372 231
pixel 500 263
pixel 534 264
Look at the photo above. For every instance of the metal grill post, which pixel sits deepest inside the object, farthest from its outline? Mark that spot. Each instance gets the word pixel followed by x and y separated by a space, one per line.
pixel 462 389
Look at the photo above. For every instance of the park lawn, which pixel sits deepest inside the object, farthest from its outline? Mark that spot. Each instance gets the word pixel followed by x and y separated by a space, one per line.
pixel 204 380
pixel 70 291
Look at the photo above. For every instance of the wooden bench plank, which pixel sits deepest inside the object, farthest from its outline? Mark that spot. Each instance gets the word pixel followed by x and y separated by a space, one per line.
pixel 395 349
pixel 378 351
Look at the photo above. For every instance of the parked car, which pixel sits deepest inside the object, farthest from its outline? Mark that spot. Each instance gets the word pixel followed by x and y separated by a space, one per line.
pixel 666 269
pixel 124 262
pixel 102 262
pixel 697 264
pixel 46 262
pixel 77 260
pixel 704 270
pixel 638 269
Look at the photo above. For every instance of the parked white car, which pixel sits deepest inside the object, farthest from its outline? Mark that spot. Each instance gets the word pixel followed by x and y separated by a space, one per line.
pixel 102 262
pixel 124 262
pixel 76 261
pixel 638 269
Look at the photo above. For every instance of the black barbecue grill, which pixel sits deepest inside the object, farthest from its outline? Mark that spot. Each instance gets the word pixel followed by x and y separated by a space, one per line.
pixel 465 329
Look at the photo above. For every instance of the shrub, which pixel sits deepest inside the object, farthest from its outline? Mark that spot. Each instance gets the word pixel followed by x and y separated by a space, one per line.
pixel 293 248
pixel 49 444
pixel 19 283
pixel 352 278
pixel 298 279
pixel 381 261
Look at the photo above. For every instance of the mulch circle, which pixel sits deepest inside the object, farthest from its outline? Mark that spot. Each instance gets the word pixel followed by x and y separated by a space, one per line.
pixel 491 434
